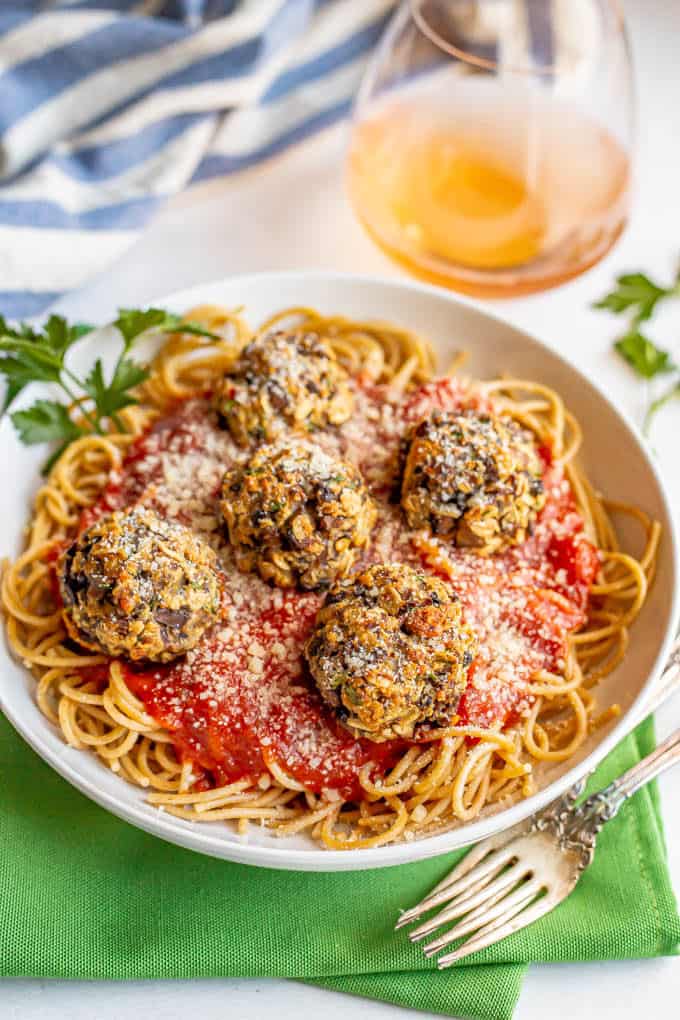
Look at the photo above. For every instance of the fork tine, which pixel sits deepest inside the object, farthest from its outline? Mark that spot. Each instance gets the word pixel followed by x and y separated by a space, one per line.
pixel 454 877
pixel 477 853
pixel 489 892
pixel 472 882
pixel 472 858
pixel 480 881
pixel 501 909
pixel 482 911
pixel 501 928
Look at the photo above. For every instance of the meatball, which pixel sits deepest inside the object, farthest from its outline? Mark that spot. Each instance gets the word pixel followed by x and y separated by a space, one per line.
pixel 390 652
pixel 283 381
pixel 474 478
pixel 296 515
pixel 137 586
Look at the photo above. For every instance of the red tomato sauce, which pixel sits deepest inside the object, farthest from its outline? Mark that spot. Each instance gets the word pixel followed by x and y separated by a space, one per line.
pixel 242 700
pixel 221 721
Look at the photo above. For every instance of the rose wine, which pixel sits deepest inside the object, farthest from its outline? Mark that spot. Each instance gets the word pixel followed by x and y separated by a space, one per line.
pixel 489 184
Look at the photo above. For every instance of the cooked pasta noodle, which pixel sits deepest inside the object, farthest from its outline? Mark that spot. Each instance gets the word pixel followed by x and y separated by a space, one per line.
pixel 435 784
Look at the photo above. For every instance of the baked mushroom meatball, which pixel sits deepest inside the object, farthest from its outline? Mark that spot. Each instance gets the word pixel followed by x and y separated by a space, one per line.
pixel 390 652
pixel 472 477
pixel 283 381
pixel 138 586
pixel 296 515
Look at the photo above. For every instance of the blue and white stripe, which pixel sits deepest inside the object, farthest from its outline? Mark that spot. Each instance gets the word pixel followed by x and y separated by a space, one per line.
pixel 107 109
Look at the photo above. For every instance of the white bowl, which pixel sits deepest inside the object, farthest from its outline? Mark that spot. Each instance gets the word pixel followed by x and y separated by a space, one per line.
pixel 614 456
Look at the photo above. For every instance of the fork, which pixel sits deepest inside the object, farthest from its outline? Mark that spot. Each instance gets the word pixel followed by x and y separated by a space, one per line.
pixel 508 881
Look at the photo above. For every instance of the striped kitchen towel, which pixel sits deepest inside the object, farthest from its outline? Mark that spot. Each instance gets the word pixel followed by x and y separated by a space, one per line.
pixel 109 107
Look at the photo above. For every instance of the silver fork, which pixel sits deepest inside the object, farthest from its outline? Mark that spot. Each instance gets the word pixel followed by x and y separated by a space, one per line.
pixel 511 879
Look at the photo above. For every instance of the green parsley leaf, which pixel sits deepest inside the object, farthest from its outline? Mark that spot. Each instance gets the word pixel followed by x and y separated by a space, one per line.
pixel 59 336
pixel 29 354
pixel 37 359
pixel 12 391
pixel 114 396
pixel 128 374
pixel 34 356
pixel 45 421
pixel 132 322
pixel 22 330
pixel 19 372
pixel 638 296
pixel 635 292
pixel 643 356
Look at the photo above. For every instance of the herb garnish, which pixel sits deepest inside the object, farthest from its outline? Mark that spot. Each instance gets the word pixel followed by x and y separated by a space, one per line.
pixel 29 354
pixel 637 296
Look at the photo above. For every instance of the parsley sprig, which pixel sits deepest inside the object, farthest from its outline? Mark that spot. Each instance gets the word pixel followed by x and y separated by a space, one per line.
pixel 29 354
pixel 637 296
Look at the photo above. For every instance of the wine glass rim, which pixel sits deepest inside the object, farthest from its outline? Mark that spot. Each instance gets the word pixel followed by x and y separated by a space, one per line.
pixel 487 64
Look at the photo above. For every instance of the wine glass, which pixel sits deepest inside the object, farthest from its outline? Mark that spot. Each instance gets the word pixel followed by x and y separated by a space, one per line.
pixel 491 141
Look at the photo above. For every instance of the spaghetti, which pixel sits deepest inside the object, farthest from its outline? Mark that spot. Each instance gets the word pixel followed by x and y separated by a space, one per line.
pixel 529 701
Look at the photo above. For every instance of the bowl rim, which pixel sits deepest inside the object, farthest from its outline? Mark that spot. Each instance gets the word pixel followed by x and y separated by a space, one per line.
pixel 202 839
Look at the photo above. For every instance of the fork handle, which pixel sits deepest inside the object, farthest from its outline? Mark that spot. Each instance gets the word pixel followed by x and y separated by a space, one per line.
pixel 579 826
pixel 663 757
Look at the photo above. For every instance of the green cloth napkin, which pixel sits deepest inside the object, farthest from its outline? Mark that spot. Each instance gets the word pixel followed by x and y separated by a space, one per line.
pixel 84 895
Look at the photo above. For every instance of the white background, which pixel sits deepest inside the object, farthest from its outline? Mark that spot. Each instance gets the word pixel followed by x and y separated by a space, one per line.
pixel 292 213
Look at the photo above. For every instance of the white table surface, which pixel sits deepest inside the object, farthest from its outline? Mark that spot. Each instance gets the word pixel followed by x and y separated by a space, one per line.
pixel 292 213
